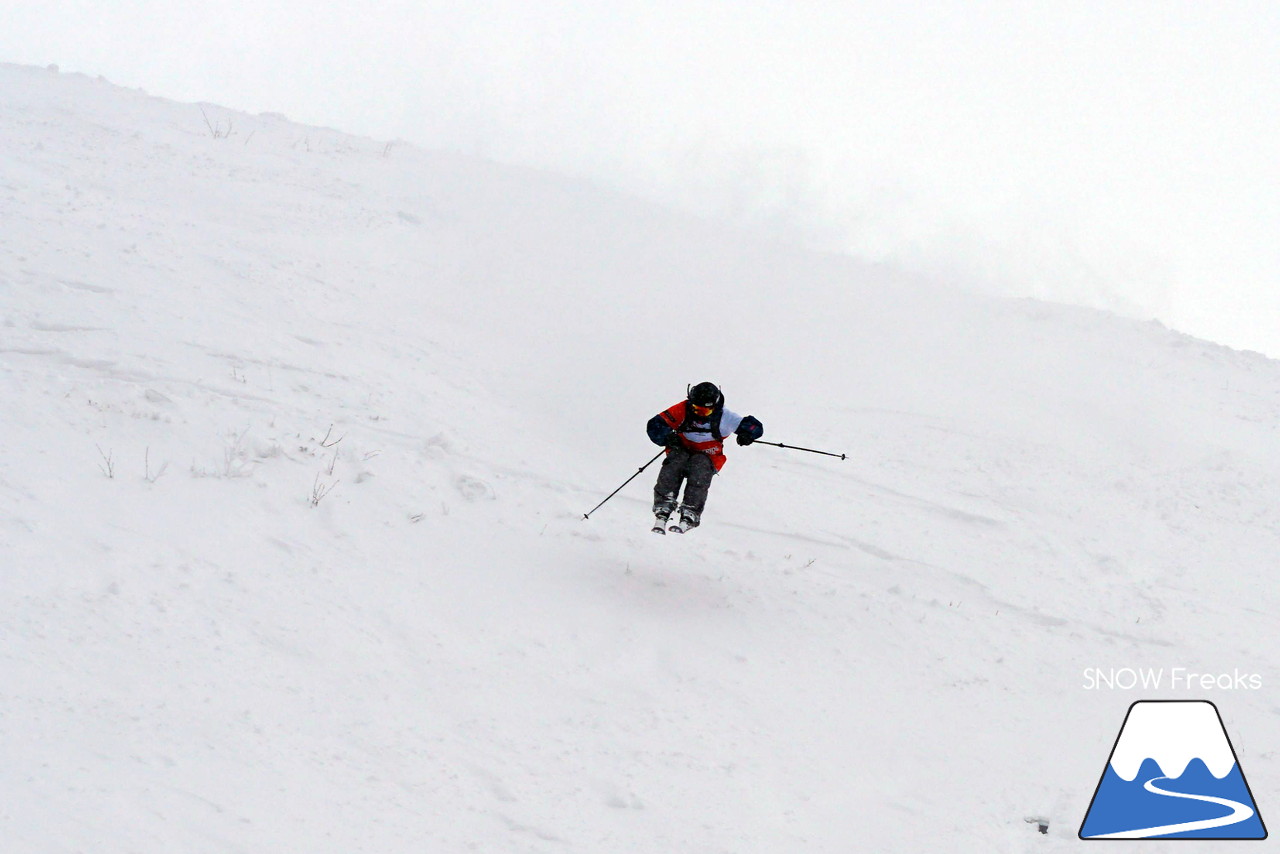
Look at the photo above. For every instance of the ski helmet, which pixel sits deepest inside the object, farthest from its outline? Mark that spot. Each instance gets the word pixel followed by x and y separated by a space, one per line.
pixel 706 395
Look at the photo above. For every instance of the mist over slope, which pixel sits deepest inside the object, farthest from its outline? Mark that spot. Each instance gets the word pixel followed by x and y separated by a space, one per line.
pixel 296 434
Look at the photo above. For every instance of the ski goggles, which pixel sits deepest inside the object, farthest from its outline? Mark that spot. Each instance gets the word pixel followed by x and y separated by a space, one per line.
pixel 701 411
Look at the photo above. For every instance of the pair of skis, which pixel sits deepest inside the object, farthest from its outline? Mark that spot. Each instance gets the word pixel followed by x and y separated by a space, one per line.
pixel 661 527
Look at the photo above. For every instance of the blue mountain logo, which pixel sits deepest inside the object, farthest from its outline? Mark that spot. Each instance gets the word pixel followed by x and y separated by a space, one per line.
pixel 1173 774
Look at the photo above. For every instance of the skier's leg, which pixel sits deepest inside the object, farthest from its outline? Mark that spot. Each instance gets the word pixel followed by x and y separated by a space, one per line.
pixel 668 485
pixel 700 472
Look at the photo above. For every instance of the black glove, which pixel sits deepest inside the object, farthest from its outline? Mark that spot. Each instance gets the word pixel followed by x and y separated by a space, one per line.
pixel 673 441
pixel 749 430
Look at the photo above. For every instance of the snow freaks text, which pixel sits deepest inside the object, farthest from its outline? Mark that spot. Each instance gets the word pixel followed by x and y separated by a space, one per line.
pixel 1170 678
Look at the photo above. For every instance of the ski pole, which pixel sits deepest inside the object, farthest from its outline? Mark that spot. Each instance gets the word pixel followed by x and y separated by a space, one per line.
pixel 794 448
pixel 624 483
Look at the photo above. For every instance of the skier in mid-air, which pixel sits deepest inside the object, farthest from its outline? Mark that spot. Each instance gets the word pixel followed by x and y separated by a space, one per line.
pixel 693 432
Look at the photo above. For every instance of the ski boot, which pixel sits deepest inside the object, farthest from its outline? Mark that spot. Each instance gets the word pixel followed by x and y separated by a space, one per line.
pixel 662 513
pixel 688 519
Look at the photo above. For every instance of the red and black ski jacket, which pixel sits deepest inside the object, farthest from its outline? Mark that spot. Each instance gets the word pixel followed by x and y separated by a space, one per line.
pixel 704 435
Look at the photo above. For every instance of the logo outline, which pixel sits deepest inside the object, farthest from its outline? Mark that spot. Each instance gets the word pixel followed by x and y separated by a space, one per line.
pixel 1257 813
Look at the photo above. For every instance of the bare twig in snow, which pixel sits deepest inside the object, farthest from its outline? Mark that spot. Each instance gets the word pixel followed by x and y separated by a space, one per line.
pixel 325 443
pixel 216 131
pixel 319 491
pixel 147 467
pixel 107 467
pixel 235 462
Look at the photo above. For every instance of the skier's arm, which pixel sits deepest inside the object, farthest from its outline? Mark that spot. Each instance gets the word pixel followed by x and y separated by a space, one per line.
pixel 659 431
pixel 662 427
pixel 749 430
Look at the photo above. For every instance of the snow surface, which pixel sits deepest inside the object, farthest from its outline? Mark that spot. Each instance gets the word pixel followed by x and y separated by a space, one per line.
pixel 205 326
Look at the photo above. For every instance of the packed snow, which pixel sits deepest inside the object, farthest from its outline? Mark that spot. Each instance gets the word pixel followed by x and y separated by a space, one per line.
pixel 298 431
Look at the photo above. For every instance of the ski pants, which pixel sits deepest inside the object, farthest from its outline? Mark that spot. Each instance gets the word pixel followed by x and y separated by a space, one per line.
pixel 683 465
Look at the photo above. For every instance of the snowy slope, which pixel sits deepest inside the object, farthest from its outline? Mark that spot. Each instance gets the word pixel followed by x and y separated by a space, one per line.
pixel 206 651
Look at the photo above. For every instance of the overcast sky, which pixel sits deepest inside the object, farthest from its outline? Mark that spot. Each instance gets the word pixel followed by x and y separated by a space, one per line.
pixel 1118 154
